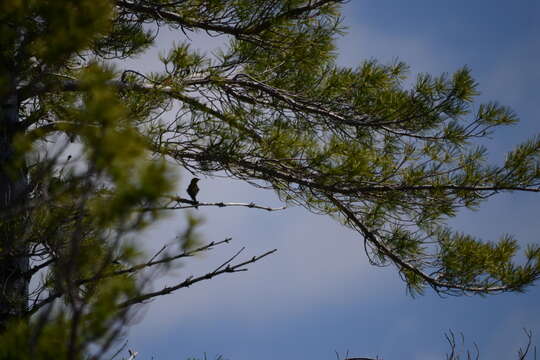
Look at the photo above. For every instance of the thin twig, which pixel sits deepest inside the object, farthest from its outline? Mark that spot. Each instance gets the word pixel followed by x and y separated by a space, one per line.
pixel 192 280
pixel 180 200
pixel 131 269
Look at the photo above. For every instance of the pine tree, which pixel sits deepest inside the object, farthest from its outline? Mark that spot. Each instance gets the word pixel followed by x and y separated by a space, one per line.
pixel 87 155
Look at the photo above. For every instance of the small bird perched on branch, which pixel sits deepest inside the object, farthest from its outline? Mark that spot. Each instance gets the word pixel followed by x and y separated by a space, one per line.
pixel 193 190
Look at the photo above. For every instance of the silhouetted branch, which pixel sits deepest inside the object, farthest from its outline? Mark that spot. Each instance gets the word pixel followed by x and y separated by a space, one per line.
pixel 456 354
pixel 131 269
pixel 522 353
pixel 180 200
pixel 226 267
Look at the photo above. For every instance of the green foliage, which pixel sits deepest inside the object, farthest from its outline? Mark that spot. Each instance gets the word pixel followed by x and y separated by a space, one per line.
pixel 189 238
pixel 488 264
pixel 51 342
pixel 389 156
pixel 50 335
pixel 55 29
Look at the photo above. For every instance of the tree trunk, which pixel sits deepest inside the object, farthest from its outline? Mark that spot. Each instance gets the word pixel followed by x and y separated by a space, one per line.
pixel 14 258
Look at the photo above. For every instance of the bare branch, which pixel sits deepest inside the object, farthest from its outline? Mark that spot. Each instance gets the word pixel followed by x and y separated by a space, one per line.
pixel 132 354
pixel 132 269
pixel 522 353
pixel 180 200
pixel 192 280
pixel 124 345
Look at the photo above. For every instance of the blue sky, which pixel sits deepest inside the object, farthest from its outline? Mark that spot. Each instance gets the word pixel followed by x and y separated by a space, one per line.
pixel 317 294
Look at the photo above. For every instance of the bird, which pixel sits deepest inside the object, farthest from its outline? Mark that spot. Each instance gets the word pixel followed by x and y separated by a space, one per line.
pixel 193 190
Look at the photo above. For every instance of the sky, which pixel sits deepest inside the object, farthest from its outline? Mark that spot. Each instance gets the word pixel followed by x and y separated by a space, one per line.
pixel 318 295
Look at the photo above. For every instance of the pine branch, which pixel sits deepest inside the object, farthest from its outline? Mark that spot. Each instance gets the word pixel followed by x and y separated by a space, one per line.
pixel 244 83
pixel 359 189
pixel 245 32
pixel 437 285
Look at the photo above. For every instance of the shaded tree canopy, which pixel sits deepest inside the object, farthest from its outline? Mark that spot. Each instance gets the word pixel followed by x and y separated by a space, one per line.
pixel 388 156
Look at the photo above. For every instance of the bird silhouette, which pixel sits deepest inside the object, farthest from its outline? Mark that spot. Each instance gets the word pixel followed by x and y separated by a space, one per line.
pixel 193 190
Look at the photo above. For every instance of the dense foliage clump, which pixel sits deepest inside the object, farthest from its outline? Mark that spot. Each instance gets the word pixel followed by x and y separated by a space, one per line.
pixel 88 147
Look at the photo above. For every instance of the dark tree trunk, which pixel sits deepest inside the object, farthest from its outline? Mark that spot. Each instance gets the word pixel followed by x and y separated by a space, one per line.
pixel 14 259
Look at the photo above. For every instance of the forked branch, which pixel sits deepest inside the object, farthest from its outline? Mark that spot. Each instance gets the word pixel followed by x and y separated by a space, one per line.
pixel 224 268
